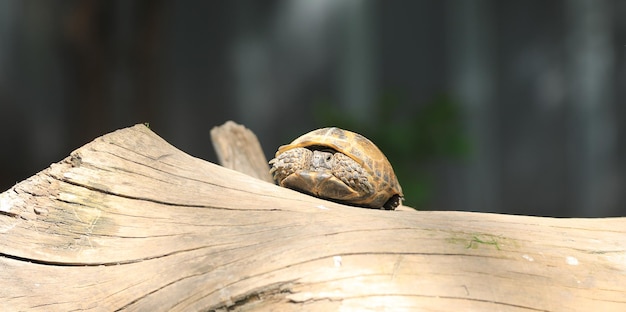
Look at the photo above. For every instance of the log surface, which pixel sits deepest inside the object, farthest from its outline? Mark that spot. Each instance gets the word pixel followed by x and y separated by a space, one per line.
pixel 128 222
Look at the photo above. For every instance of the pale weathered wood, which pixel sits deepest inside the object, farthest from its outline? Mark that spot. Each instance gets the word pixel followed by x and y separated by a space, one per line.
pixel 239 149
pixel 128 222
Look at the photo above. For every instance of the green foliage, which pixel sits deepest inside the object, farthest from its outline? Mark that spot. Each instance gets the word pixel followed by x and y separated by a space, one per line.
pixel 411 140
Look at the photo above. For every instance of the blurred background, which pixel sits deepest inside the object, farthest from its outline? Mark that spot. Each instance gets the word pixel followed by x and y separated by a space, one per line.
pixel 495 106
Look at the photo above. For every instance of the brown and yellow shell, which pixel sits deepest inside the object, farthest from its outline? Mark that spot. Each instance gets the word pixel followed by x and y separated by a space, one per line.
pixel 340 165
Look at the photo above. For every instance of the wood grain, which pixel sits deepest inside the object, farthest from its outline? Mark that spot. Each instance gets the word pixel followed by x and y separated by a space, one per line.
pixel 128 222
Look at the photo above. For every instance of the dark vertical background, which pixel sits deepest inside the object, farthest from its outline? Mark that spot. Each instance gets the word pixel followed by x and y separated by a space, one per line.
pixel 501 106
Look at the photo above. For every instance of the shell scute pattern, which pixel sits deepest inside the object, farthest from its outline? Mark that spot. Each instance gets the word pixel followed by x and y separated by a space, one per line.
pixel 339 165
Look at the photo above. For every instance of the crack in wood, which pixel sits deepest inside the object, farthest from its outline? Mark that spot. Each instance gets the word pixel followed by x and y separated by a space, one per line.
pixel 275 291
pixel 99 190
pixel 97 264
pixel 346 298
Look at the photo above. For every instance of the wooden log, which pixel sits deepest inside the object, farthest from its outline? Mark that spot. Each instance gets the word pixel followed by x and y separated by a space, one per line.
pixel 239 149
pixel 128 222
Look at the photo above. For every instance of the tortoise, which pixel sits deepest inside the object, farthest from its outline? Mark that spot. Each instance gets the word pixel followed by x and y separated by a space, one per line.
pixel 339 165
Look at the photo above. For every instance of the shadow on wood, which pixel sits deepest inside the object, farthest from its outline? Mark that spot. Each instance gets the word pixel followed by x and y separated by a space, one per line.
pixel 128 222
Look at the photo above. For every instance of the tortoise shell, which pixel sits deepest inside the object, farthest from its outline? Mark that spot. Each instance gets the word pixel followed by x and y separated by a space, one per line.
pixel 339 165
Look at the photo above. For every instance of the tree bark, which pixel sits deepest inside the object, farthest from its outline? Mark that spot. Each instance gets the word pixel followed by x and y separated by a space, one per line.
pixel 128 222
